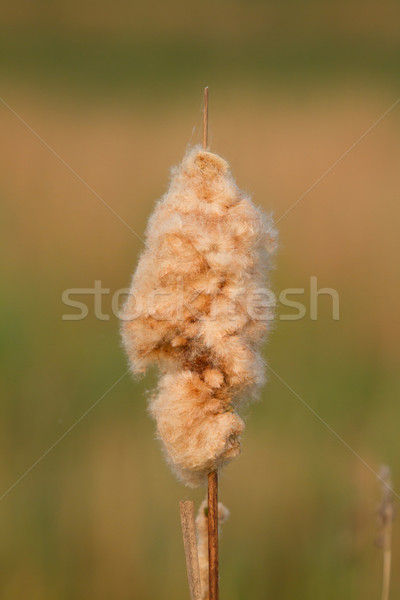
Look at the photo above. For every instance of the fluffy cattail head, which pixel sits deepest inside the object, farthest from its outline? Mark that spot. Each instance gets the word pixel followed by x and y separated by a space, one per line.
pixel 199 308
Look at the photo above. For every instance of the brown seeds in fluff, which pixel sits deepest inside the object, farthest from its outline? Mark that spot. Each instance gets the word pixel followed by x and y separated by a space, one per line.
pixel 198 309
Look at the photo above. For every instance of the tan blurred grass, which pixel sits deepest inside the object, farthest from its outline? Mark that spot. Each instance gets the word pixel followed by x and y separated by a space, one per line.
pixel 345 229
pixel 99 516
pixel 225 19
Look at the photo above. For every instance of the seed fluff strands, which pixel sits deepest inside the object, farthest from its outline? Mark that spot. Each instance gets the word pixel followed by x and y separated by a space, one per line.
pixel 197 309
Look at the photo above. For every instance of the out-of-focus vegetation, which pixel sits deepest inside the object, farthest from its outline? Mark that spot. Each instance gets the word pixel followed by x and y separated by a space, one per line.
pixel 115 90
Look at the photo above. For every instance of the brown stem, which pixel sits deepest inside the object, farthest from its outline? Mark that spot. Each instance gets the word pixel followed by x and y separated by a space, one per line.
pixel 387 560
pixel 213 476
pixel 213 535
pixel 386 518
pixel 205 119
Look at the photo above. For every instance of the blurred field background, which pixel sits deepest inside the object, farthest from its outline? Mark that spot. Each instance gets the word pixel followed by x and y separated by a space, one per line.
pixel 115 89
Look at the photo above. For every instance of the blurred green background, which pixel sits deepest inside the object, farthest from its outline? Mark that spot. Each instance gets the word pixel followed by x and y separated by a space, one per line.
pixel 115 90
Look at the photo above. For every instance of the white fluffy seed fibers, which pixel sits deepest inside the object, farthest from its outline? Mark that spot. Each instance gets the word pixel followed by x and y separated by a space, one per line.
pixel 199 307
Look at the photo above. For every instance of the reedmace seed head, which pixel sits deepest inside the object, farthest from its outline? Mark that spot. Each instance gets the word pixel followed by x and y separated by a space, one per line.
pixel 206 262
